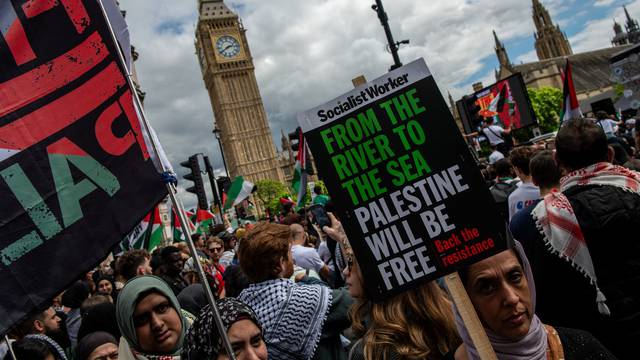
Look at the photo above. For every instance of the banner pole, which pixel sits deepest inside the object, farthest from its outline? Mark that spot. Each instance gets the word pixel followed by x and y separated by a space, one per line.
pixel 13 355
pixel 469 317
pixel 173 196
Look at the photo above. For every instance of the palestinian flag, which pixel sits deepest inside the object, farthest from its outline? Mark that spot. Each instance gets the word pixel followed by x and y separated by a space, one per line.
pixel 155 234
pixel 204 218
pixel 299 182
pixel 239 190
pixel 147 235
pixel 178 234
pixel 570 105
pixel 137 237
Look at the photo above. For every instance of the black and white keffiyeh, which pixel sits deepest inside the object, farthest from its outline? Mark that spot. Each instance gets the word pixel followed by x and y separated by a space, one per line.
pixel 58 353
pixel 203 341
pixel 291 314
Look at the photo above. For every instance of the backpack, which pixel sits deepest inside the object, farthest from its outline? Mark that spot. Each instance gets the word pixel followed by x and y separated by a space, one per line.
pixel 501 192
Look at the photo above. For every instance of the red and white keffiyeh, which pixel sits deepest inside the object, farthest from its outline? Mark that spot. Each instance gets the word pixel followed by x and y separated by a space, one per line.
pixel 558 223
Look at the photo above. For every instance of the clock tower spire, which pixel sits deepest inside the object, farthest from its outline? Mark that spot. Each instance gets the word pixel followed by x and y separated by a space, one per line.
pixel 229 76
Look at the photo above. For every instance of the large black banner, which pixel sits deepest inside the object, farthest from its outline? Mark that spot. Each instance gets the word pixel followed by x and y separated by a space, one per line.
pixel 406 188
pixel 76 174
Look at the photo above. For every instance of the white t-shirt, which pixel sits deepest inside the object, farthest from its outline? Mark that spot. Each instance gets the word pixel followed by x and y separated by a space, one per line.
pixel 525 195
pixel 608 126
pixel 495 156
pixel 493 134
pixel 307 258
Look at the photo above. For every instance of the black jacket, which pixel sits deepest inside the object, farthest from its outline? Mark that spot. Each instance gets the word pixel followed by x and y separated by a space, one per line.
pixel 610 221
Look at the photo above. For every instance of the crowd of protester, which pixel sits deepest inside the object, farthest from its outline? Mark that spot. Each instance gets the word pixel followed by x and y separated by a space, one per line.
pixel 568 289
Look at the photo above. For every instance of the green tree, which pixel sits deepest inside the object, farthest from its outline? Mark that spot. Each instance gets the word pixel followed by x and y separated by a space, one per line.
pixel 269 193
pixel 546 103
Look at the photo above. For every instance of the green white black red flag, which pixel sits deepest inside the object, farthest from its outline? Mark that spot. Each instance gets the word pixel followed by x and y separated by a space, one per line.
pixel 77 172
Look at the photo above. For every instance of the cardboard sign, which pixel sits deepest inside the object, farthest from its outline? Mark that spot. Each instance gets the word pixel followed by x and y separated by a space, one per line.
pixel 409 195
pixel 76 174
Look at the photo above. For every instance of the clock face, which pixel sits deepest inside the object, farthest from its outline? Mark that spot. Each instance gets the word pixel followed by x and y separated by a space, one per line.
pixel 227 46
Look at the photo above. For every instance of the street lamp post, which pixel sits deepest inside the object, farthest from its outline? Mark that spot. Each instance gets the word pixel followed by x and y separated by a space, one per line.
pixel 216 132
pixel 393 45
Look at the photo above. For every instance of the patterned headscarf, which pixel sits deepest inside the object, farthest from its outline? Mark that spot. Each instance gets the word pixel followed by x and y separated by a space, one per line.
pixel 127 301
pixel 203 341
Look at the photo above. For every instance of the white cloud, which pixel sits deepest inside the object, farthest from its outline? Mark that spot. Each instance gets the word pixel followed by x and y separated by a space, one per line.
pixel 527 57
pixel 603 2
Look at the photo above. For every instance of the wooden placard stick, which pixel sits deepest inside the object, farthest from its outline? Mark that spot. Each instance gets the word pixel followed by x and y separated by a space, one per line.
pixel 469 317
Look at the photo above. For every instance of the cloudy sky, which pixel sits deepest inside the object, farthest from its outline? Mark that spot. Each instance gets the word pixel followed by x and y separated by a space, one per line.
pixel 307 52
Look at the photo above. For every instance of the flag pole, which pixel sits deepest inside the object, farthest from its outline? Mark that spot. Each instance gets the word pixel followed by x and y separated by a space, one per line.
pixel 173 196
pixel 13 355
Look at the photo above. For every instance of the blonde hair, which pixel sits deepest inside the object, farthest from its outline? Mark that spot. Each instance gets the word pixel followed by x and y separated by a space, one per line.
pixel 416 324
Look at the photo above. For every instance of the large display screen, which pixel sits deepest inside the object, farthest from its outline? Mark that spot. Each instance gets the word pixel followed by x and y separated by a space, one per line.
pixel 506 101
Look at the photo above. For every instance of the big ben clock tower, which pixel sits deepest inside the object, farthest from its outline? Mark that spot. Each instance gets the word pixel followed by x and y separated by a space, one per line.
pixel 228 73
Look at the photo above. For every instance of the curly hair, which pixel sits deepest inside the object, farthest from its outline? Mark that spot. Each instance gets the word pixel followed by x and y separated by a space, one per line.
pixel 214 240
pixel 416 324
pixel 262 249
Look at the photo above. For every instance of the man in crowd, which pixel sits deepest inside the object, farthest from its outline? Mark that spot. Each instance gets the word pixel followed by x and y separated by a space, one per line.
pixel 587 273
pixel 229 253
pixel 609 126
pixel 503 187
pixel 45 322
pixel 495 155
pixel 299 321
pixel 495 134
pixel 527 192
pixel 320 198
pixel 72 299
pixel 133 263
pixel 545 174
pixel 173 265
pixel 306 257
pixel 199 242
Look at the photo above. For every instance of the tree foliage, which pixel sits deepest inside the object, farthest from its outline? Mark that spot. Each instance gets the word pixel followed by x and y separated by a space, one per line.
pixel 546 103
pixel 269 193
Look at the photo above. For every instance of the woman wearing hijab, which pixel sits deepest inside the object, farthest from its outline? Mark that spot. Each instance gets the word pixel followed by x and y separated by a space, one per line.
pixel 150 319
pixel 203 341
pixel 97 345
pixel 106 286
pixel 416 324
pixel 503 293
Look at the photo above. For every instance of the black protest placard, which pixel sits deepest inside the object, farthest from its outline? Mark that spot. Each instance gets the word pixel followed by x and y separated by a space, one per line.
pixel 407 190
pixel 76 174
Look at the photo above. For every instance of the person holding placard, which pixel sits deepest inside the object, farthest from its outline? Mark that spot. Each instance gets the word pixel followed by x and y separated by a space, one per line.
pixel 503 293
pixel 416 324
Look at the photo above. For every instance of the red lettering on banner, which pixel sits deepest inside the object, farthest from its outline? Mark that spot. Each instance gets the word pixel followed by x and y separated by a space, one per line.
pixel 74 8
pixel 62 112
pixel 14 35
pixel 126 101
pixel 50 76
pixel 106 138
pixel 64 146
pixel 33 8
